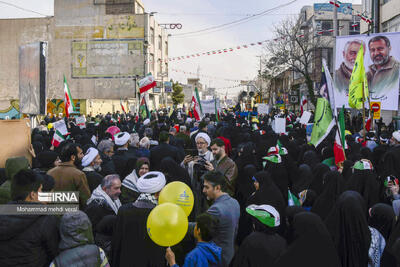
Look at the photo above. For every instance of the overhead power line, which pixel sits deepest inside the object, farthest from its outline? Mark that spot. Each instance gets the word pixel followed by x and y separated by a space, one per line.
pixel 24 9
pixel 220 14
pixel 232 23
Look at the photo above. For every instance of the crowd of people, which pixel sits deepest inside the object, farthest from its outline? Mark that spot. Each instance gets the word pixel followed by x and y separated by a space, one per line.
pixel 260 198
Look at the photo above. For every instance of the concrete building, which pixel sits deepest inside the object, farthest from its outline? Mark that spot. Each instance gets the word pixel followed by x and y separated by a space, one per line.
pixel 101 46
pixel 389 15
pixel 317 24
pixel 317 20
pixel 188 89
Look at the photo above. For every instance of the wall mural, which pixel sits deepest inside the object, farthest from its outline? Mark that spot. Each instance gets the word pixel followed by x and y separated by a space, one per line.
pixel 56 106
pixel 12 111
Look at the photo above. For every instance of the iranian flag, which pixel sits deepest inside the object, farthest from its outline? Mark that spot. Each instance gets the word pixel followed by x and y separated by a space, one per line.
pixel 57 138
pixel 340 142
pixel 69 104
pixel 303 103
pixel 197 110
pixel 122 106
pixel 147 83
pixel 368 124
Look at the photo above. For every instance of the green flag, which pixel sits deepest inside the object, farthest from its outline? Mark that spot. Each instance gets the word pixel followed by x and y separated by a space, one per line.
pixel 198 100
pixel 323 118
pixel 143 110
pixel 216 110
pixel 292 199
pixel 323 121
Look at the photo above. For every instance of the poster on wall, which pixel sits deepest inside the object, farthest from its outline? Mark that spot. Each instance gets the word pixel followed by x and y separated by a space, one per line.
pixel 382 67
pixel 32 78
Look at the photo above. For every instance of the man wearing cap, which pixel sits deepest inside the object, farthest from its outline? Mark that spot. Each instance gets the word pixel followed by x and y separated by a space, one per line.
pixel 264 244
pixel 123 161
pixel 163 150
pixel 104 199
pixel 91 164
pixel 131 245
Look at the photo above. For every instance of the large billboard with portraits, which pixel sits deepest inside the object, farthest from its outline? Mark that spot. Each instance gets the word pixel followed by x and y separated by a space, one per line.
pixel 382 67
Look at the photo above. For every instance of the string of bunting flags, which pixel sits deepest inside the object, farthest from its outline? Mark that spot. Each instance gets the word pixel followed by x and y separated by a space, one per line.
pixel 357 13
pixel 229 87
pixel 231 49
pixel 330 30
pixel 219 51
pixel 204 75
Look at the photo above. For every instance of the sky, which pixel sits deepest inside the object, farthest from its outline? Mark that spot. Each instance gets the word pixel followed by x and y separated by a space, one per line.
pixel 195 15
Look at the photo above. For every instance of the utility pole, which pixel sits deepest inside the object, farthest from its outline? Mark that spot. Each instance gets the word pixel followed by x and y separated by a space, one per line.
pixel 260 76
pixel 335 33
pixel 375 16
pixel 335 22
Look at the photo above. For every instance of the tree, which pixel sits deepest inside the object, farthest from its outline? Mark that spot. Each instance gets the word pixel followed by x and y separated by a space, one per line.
pixel 296 49
pixel 177 94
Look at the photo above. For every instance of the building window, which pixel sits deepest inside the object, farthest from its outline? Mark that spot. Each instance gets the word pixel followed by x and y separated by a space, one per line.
pixel 159 67
pixel 159 42
pixel 354 26
pixel 166 49
pixel 392 25
pixel 151 63
pixel 115 7
pixel 152 35
pixel 327 54
pixel 324 25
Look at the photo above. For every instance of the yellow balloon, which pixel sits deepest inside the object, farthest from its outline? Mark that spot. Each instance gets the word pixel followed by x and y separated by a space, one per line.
pixel 167 224
pixel 178 193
